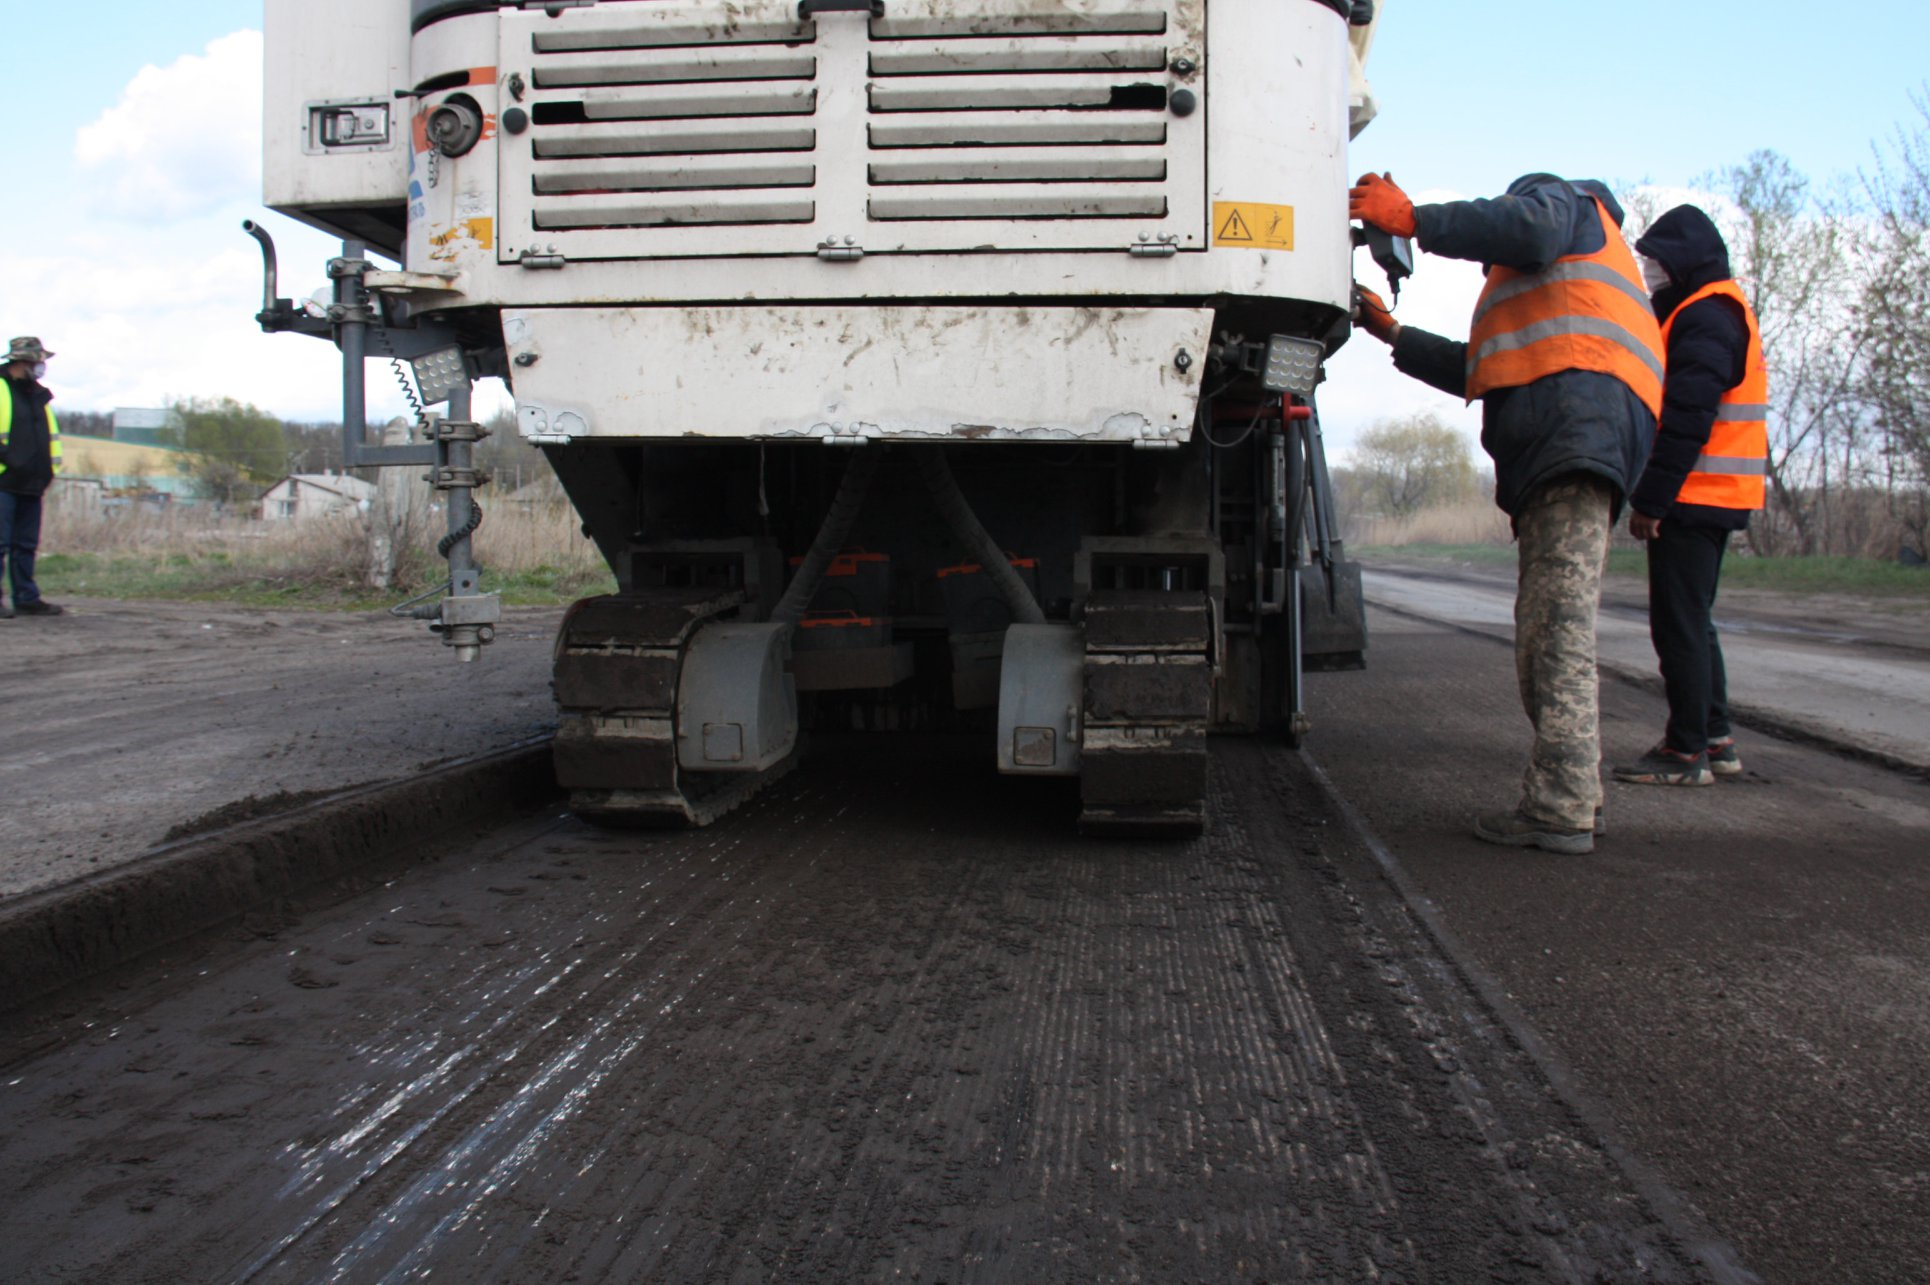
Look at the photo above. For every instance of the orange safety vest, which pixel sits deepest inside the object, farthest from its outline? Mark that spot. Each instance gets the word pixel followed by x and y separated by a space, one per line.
pixel 1734 469
pixel 1583 312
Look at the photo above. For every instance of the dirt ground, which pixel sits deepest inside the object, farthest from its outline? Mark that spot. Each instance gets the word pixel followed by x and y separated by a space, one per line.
pixel 127 724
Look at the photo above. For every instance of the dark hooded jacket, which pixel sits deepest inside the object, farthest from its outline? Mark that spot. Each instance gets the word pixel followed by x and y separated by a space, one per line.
pixel 1578 421
pixel 1708 355
pixel 26 464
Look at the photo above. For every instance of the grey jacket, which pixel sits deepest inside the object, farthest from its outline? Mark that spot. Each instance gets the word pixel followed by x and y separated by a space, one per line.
pixel 1578 421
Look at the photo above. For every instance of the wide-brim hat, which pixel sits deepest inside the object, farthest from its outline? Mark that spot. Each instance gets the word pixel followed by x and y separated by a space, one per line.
pixel 27 348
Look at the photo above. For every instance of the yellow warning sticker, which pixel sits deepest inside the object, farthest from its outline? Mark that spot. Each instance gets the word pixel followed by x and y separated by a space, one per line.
pixel 1252 226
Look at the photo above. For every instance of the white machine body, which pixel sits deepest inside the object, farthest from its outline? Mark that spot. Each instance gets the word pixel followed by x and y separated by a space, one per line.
pixel 957 220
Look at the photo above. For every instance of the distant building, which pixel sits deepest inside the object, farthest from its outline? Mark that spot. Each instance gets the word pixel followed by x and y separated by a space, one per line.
pixel 127 468
pixel 146 426
pixel 302 496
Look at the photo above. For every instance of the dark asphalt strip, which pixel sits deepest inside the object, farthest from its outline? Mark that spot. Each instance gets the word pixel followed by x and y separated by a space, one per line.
pixel 1715 1254
pixel 63 935
pixel 1754 717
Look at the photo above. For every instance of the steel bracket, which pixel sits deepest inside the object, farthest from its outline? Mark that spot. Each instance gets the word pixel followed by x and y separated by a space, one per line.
pixel 447 478
pixel 458 430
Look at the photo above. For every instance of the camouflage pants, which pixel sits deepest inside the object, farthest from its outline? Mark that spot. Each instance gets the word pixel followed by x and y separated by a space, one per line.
pixel 1563 532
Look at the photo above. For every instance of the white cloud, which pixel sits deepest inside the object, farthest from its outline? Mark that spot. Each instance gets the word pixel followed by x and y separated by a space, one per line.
pixel 139 275
pixel 184 139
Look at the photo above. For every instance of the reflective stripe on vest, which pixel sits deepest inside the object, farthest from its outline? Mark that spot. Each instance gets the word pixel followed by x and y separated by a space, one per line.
pixel 1733 470
pixel 1584 312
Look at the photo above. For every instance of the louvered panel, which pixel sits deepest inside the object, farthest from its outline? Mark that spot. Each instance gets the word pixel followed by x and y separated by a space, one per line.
pixel 992 93
pixel 1039 54
pixel 563 71
pixel 641 212
pixel 688 102
pixel 1018 165
pixel 670 140
pixel 909 21
pixel 681 174
pixel 1018 201
pixel 680 128
pixel 989 129
pixel 665 26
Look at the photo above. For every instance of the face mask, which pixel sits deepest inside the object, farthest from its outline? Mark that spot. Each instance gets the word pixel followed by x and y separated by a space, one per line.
pixel 39 369
pixel 1654 275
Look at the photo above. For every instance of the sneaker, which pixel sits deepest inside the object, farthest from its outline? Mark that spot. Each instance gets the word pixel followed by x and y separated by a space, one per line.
pixel 6 612
pixel 1723 759
pixel 1664 766
pixel 1514 830
pixel 38 607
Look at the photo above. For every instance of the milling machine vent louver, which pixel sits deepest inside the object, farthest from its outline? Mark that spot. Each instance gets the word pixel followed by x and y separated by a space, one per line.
pixel 669 123
pixel 1028 116
pixel 678 130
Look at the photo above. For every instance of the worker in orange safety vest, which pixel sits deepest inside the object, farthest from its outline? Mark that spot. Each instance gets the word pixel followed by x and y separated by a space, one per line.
pixel 1565 357
pixel 1707 474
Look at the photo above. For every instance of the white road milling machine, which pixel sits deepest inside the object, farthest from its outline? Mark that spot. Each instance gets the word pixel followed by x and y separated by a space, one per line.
pixel 913 363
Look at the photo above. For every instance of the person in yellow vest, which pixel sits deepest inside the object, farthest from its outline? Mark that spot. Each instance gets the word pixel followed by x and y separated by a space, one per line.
pixel 1566 359
pixel 1707 474
pixel 29 458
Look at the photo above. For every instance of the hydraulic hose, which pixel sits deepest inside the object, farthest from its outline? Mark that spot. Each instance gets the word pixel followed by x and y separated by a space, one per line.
pixel 831 536
pixel 983 549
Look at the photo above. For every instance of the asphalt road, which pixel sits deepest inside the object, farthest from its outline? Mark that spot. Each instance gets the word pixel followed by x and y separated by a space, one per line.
pixel 1846 673
pixel 1741 973
pixel 893 1020
pixel 889 1021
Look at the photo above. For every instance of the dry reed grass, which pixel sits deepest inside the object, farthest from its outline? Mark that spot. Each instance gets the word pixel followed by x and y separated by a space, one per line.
pixel 329 553
pixel 1468 522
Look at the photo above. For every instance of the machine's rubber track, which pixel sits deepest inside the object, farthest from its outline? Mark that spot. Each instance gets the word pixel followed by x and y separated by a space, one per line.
pixel 618 662
pixel 1148 697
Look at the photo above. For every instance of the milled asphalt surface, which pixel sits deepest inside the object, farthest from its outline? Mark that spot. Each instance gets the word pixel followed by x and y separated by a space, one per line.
pixel 890 1020
pixel 1740 972
pixel 1737 978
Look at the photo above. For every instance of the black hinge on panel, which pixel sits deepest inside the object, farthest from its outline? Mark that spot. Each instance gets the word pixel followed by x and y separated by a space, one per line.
pixel 1358 13
pixel 806 8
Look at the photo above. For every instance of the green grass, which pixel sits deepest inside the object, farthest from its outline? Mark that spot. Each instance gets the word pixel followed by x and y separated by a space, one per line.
pixel 1861 576
pixel 218 578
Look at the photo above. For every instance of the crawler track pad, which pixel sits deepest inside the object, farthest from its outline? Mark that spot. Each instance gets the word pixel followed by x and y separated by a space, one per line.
pixel 1143 822
pixel 701 799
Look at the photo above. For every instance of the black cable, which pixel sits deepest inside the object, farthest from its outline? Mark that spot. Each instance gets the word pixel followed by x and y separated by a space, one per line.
pixel 462 532
pixel 1206 431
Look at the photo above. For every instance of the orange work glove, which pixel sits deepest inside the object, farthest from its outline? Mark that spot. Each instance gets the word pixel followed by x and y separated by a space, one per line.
pixel 1371 315
pixel 1376 200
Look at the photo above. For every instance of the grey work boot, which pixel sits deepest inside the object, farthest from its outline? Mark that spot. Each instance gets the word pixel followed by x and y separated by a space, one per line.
pixel 1723 759
pixel 1517 830
pixel 1664 766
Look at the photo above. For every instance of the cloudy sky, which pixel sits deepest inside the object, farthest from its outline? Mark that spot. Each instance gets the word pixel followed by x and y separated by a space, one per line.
pixel 136 155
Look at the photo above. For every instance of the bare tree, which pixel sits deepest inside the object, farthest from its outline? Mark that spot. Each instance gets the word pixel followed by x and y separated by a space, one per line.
pixel 1895 319
pixel 1404 465
pixel 1797 257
